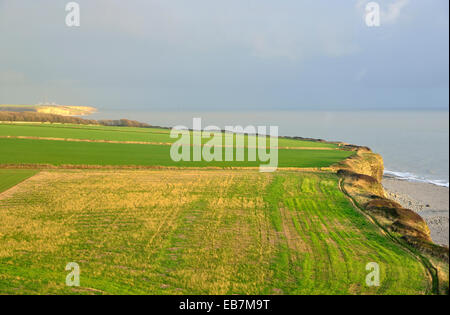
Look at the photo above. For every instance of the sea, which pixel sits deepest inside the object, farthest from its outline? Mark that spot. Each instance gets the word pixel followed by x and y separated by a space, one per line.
pixel 414 144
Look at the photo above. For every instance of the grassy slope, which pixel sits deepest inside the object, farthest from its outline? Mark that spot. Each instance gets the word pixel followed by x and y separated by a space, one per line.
pixel 23 151
pixel 172 232
pixel 10 178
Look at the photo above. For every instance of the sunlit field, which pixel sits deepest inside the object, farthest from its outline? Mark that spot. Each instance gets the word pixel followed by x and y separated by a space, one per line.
pixel 66 144
pixel 10 178
pixel 26 151
pixel 97 132
pixel 194 232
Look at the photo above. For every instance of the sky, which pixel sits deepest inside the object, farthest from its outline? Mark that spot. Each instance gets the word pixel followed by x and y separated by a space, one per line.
pixel 220 55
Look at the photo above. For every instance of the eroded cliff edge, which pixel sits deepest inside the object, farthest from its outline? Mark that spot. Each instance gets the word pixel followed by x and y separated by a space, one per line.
pixel 361 177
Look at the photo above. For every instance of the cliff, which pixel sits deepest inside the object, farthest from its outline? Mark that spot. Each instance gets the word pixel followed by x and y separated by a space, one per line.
pixel 363 162
pixel 64 110
pixel 361 177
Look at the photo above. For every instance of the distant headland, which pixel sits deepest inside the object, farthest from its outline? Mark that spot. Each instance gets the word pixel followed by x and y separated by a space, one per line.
pixel 47 108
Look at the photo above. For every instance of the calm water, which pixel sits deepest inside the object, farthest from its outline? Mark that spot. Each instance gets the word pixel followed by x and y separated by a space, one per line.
pixel 414 144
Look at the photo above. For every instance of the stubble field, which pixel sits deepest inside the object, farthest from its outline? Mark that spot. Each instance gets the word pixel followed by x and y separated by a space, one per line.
pixel 194 232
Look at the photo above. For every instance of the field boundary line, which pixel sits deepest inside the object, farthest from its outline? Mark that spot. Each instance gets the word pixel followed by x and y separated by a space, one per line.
pixel 84 140
pixel 156 167
pixel 156 143
pixel 7 193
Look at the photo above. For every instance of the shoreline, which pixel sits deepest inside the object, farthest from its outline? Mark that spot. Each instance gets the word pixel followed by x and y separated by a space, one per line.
pixel 428 200
pixel 410 177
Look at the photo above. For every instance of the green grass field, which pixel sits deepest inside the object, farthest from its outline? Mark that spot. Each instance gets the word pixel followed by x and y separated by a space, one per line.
pixel 183 231
pixel 34 151
pixel 10 178
pixel 194 232
pixel 91 132
pixel 25 151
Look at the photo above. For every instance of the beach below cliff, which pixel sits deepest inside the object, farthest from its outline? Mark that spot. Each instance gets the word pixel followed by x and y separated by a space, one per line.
pixel 431 202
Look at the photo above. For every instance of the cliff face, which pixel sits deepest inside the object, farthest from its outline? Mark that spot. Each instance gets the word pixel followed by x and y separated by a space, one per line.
pixel 364 162
pixel 63 110
pixel 361 177
pixel 66 110
pixel 369 194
